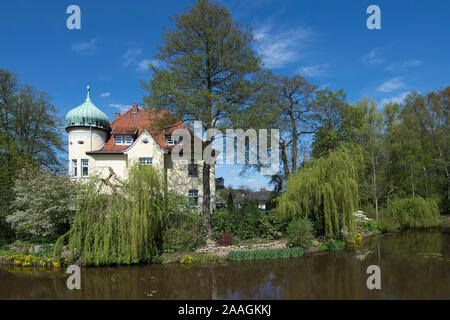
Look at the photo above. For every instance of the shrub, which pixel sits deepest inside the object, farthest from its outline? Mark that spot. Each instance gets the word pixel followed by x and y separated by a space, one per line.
pixel 246 222
pixel 300 233
pixel 335 244
pixel 183 229
pixel 264 254
pixel 386 226
pixel 326 190
pixel 371 225
pixel 413 212
pixel 123 227
pixel 44 206
pixel 226 239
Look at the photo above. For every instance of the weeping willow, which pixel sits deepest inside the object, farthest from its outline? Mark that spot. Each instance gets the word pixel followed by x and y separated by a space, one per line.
pixel 326 191
pixel 121 227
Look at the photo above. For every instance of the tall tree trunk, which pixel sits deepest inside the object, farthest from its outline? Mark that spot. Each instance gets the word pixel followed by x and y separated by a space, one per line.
pixel 374 186
pixel 207 199
pixel 285 160
pixel 294 144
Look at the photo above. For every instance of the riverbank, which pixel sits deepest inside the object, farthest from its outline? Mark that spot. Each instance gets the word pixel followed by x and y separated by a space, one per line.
pixel 28 254
pixel 215 253
pixel 444 222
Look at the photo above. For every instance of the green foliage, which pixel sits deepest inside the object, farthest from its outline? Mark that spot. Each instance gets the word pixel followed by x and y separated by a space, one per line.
pixel 323 246
pixel 120 228
pixel 336 120
pixel 300 233
pixel 183 229
pixel 208 67
pixel 230 202
pixel 387 226
pixel 264 254
pixel 244 223
pixel 335 245
pixel 326 191
pixel 44 206
pixel 30 134
pixel 413 212
pixel 371 225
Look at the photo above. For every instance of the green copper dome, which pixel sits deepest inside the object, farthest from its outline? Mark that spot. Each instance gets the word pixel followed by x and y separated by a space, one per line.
pixel 87 115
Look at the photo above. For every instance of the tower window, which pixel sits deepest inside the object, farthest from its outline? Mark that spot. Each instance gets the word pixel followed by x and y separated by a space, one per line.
pixel 84 167
pixel 74 171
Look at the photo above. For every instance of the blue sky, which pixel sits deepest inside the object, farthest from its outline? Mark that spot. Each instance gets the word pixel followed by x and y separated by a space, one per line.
pixel 326 41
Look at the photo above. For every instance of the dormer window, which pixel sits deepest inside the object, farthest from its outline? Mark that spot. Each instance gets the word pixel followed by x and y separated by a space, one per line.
pixel 171 141
pixel 123 140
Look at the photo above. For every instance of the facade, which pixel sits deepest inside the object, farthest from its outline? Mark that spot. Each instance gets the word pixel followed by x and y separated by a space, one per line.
pixel 97 146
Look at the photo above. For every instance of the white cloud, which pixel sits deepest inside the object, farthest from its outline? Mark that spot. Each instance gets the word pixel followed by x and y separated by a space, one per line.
pixel 391 85
pixel 84 47
pixel 130 56
pixel 397 99
pixel 279 47
pixel 122 108
pixel 412 63
pixel 143 64
pixel 405 65
pixel 313 71
pixel 373 57
pixel 106 94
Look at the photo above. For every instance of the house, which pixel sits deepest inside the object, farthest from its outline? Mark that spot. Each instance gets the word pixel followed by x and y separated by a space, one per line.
pixel 241 196
pixel 98 146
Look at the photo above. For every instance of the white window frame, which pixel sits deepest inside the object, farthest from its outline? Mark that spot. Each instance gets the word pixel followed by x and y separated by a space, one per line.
pixel 84 164
pixel 74 168
pixel 123 140
pixel 171 142
pixel 146 161
pixel 193 194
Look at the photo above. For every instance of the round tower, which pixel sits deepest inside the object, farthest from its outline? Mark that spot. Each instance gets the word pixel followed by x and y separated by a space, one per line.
pixel 88 128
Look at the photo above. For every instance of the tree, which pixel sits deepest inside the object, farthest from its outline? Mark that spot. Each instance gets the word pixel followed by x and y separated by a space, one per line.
pixel 293 100
pixel 325 191
pixel 230 202
pixel 371 135
pixel 336 121
pixel 30 135
pixel 438 105
pixel 206 73
pixel 44 205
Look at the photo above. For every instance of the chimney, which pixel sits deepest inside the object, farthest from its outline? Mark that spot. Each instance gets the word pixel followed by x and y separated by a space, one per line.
pixel 134 108
pixel 117 115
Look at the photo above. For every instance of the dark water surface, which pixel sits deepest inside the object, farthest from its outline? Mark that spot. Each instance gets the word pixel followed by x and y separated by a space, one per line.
pixel 414 265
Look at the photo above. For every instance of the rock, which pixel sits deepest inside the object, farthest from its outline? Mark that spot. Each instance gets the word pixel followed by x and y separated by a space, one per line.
pixel 17 249
pixel 35 249
pixel 65 252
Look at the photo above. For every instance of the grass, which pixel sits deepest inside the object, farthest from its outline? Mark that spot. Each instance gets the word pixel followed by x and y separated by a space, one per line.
pixel 265 254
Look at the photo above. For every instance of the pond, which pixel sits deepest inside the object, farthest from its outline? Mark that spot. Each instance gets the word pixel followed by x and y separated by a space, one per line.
pixel 413 264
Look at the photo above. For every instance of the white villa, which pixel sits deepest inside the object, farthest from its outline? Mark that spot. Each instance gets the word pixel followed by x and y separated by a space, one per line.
pixel 97 146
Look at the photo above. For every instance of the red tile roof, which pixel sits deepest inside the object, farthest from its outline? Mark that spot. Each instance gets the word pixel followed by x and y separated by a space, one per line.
pixel 158 123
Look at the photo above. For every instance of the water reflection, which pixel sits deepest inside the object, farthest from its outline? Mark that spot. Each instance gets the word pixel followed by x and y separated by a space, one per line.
pixel 414 265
